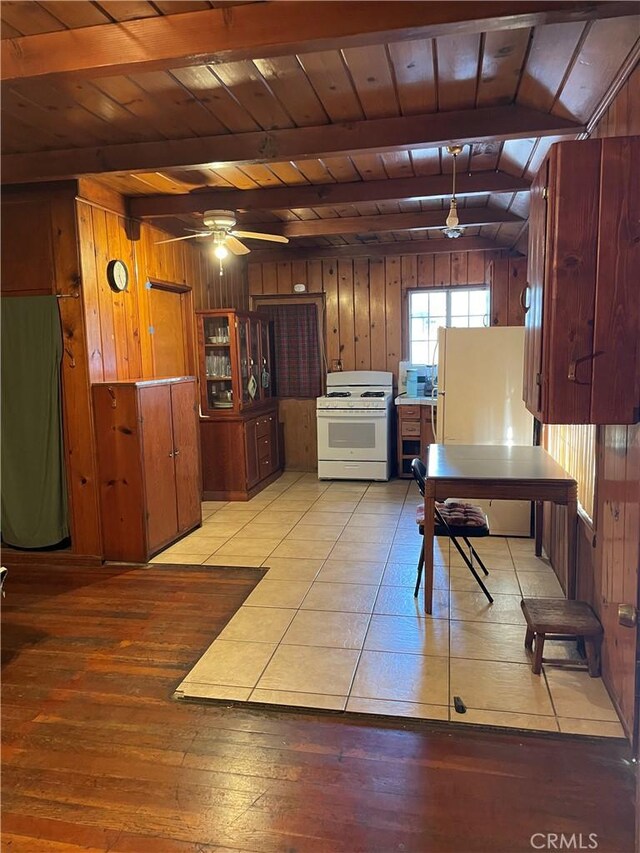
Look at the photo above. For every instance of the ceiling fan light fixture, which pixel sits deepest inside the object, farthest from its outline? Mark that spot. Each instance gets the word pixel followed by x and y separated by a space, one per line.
pixel 221 252
pixel 453 228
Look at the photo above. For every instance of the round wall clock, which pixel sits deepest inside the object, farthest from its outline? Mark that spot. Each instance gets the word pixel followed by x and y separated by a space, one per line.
pixel 117 275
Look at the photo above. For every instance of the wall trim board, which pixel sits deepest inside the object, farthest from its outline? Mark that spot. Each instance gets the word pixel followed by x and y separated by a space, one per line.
pixel 173 287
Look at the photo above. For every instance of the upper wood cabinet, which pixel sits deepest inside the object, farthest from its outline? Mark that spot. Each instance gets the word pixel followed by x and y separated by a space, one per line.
pixel 235 362
pixel 582 344
pixel 507 281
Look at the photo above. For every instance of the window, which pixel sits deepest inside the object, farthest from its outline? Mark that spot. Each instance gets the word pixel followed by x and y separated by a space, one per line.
pixel 297 356
pixel 574 447
pixel 452 306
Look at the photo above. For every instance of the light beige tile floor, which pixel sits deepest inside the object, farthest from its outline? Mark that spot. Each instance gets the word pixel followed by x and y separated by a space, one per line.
pixel 334 624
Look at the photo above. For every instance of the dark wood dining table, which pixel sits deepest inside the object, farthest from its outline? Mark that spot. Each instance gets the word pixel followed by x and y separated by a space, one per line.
pixel 498 472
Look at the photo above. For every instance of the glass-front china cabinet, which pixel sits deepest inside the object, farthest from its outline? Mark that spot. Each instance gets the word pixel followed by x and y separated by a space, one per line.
pixel 238 412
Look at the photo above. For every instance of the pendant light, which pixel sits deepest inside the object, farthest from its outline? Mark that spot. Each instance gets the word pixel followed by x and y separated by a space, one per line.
pixel 453 228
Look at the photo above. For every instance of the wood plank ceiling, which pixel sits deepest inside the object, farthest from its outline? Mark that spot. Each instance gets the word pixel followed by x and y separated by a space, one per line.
pixel 567 70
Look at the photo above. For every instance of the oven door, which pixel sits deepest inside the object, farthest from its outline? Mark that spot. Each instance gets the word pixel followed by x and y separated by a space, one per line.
pixel 351 435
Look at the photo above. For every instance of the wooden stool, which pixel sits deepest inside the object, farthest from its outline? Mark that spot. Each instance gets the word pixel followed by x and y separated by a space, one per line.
pixel 557 619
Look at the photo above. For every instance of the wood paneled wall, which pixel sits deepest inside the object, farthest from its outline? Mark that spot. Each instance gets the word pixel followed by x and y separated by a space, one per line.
pixel 366 313
pixel 118 324
pixel 59 240
pixel 365 298
pixel 35 218
pixel 609 563
pixel 229 290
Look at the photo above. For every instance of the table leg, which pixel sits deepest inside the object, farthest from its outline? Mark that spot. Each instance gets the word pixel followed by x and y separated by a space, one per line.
pixel 538 526
pixel 429 521
pixel 572 544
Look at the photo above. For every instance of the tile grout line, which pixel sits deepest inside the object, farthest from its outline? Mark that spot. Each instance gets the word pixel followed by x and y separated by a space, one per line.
pixel 277 645
pixel 366 634
pixel 297 609
pixel 324 561
pixel 396 528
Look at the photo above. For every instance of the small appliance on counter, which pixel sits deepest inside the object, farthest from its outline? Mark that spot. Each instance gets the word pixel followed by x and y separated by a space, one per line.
pixel 412 381
pixel 426 378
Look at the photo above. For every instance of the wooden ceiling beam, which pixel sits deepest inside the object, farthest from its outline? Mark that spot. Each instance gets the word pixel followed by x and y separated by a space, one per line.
pixel 373 250
pixel 470 217
pixel 326 195
pixel 260 30
pixel 373 135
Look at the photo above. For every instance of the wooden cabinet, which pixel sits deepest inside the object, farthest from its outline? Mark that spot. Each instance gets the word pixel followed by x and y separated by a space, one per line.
pixel 234 362
pixel 582 344
pixel 239 432
pixel 507 282
pixel 148 464
pixel 415 433
pixel 240 455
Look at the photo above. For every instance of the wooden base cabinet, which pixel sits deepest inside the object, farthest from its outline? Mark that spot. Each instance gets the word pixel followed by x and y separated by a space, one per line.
pixel 415 434
pixel 582 340
pixel 148 464
pixel 240 456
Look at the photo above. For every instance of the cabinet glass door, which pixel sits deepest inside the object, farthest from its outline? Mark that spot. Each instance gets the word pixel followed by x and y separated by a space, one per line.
pixel 217 362
pixel 255 385
pixel 243 352
pixel 266 379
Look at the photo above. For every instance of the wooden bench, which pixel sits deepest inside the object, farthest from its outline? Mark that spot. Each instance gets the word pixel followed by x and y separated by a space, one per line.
pixel 557 619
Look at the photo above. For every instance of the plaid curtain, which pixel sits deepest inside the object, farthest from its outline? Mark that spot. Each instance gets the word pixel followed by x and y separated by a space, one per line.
pixel 296 350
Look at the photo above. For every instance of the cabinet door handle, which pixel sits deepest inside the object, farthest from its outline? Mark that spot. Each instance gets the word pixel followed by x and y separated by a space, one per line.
pixel 170 455
pixel 176 452
pixel 573 367
pixel 523 297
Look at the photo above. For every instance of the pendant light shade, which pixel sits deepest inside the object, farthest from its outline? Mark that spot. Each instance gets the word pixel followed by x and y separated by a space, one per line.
pixel 453 228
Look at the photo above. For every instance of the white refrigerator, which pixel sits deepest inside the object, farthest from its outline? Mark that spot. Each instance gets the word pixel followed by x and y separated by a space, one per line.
pixel 480 402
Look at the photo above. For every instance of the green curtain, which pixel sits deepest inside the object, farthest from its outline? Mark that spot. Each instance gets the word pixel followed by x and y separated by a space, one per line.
pixel 34 499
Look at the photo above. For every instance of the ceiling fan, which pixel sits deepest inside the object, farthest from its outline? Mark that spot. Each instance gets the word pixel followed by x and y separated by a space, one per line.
pixel 220 224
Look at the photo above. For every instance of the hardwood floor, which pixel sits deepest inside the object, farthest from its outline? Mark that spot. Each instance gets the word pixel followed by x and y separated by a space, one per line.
pixel 97 756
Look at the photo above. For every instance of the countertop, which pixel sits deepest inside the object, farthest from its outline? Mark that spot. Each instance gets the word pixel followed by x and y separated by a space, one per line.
pixel 403 400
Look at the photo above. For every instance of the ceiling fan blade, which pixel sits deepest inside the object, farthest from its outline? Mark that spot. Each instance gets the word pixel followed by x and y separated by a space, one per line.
pixel 235 246
pixel 175 239
pixel 273 238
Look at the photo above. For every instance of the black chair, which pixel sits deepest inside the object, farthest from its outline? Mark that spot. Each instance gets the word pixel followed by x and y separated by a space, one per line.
pixel 453 519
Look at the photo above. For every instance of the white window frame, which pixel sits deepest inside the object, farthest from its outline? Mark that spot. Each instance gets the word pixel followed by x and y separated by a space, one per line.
pixel 447 291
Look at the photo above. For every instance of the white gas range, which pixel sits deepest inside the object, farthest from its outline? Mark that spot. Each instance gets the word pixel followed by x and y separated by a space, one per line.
pixel 354 426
